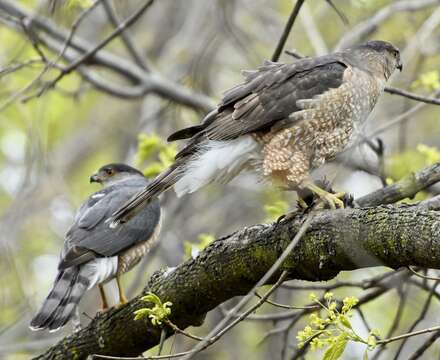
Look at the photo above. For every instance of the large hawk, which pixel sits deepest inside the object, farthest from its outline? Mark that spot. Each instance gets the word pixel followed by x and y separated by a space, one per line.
pixel 283 121
pixel 93 253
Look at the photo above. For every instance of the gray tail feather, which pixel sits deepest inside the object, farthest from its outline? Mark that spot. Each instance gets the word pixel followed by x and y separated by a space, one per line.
pixel 57 309
pixel 160 184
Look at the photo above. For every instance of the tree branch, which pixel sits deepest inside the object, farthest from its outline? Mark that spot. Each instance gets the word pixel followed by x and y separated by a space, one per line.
pixel 11 14
pixel 412 96
pixel 84 58
pixel 287 29
pixel 363 29
pixel 407 187
pixel 336 240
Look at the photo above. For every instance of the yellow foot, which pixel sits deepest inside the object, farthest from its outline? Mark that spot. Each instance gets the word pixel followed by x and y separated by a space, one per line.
pixel 302 204
pixel 332 200
pixel 326 198
pixel 122 299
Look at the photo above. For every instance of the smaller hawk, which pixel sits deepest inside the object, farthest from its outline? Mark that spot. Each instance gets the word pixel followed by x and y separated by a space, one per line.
pixel 283 121
pixel 93 253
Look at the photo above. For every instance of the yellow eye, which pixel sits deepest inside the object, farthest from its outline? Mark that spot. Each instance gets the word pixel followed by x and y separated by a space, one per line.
pixel 109 171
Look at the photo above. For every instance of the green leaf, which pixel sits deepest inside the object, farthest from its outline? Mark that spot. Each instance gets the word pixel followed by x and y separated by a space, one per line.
pixel 335 351
pixel 153 169
pixel 365 357
pixel 430 81
pixel 80 3
pixel 345 322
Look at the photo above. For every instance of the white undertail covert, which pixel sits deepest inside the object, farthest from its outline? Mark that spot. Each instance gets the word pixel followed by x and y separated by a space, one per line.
pixel 217 161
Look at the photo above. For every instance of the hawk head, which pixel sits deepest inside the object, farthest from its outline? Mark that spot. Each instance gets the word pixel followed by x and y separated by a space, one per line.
pixel 111 173
pixel 379 57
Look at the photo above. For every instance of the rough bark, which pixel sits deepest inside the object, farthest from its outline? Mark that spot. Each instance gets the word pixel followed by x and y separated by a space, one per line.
pixel 335 241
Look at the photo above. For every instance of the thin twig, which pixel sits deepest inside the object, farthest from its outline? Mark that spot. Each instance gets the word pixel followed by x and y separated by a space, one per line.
pixel 411 95
pixel 113 17
pixel 407 335
pixel 397 318
pixel 419 318
pixel 89 54
pixel 153 357
pixel 388 89
pixel 221 326
pixel 287 29
pixel 180 331
pixel 420 351
pixel 26 23
pixel 423 276
pixel 286 306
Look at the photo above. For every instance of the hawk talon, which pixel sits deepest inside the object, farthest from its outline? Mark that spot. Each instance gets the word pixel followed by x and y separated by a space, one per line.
pixel 286 217
pixel 334 200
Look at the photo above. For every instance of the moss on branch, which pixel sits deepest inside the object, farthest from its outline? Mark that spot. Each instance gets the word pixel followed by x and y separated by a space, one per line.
pixel 335 241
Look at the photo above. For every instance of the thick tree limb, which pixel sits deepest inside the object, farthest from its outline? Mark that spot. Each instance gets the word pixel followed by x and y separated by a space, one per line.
pixel 335 241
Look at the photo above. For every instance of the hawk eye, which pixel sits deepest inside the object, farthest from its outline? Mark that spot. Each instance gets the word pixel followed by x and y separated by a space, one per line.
pixel 395 53
pixel 109 171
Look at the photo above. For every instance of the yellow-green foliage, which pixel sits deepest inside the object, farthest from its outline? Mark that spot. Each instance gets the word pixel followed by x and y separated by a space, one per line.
pixel 158 313
pixel 80 3
pixel 402 164
pixel 334 330
pixel 275 204
pixel 406 163
pixel 429 81
pixel 153 148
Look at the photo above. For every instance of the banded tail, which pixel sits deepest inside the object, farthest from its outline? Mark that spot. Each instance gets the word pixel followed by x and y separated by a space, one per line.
pixel 58 308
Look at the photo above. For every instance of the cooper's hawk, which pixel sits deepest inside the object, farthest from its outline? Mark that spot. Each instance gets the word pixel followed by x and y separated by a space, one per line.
pixel 283 121
pixel 93 253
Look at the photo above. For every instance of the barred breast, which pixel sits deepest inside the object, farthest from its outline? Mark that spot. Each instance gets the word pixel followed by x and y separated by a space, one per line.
pixel 132 256
pixel 321 129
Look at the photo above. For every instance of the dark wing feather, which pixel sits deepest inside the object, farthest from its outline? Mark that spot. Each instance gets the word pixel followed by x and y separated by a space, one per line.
pixel 91 236
pixel 268 95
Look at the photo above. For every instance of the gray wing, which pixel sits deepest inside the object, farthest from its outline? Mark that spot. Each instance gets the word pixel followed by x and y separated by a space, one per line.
pixel 90 236
pixel 269 95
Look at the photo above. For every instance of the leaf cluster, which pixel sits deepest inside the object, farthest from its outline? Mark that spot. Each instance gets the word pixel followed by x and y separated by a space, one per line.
pixel 153 148
pixel 158 313
pixel 334 330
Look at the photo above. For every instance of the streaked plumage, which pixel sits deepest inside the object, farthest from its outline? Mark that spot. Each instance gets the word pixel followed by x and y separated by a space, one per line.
pixel 93 253
pixel 283 121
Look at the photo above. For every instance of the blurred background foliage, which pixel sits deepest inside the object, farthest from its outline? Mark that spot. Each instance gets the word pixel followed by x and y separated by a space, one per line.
pixel 50 144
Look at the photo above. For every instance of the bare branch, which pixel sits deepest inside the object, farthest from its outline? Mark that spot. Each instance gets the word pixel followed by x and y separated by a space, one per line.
pixel 54 37
pixel 287 29
pixel 356 238
pixel 419 318
pixel 362 30
pixel 404 188
pixel 89 54
pixel 109 8
pixel 412 96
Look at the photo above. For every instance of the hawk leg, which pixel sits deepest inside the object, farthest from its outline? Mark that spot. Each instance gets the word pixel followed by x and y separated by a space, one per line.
pixel 122 298
pixel 333 200
pixel 103 297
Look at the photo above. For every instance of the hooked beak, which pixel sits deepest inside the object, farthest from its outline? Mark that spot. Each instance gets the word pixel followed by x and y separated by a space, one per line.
pixel 95 178
pixel 399 66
